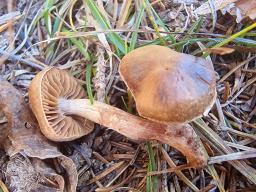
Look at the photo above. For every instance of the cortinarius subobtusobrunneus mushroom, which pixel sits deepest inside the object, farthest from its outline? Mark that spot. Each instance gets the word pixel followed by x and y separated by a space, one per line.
pixel 45 91
pixel 169 86
pixel 58 103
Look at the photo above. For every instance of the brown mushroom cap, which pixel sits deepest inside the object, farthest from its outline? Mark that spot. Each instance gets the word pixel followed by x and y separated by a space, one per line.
pixel 169 86
pixel 46 88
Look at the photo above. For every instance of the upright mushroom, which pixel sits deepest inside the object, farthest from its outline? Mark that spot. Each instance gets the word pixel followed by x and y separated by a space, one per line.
pixel 169 86
pixel 58 103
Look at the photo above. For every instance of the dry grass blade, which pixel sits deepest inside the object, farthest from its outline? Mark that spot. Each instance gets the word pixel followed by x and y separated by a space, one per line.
pixel 219 50
pixel 106 172
pixel 15 15
pixel 222 148
pixel 239 120
pixel 135 155
pixel 124 13
pixel 3 188
pixel 212 171
pixel 238 146
pixel 170 170
pixel 111 188
pixel 240 133
pixel 232 157
pixel 19 58
pixel 248 83
pixel 4 27
pixel 235 68
pixel 207 188
pixel 179 173
pixel 212 6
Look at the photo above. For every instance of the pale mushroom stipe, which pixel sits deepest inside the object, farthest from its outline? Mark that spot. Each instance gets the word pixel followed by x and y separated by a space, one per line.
pixel 63 113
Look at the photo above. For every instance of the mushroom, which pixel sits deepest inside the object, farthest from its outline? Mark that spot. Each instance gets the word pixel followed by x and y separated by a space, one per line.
pixel 46 90
pixel 169 86
pixel 63 113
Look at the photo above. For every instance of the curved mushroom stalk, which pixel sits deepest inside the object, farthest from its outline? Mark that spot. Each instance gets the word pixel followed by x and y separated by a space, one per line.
pixel 179 136
pixel 63 113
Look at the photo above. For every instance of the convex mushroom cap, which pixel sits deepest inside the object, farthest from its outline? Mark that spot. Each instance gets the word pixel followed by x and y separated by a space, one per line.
pixel 46 90
pixel 169 86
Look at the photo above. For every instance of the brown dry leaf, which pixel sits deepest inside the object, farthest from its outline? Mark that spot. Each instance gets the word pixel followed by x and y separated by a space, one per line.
pixel 23 174
pixel 247 7
pixel 219 4
pixel 219 50
pixel 25 137
pixel 3 128
pixel 240 8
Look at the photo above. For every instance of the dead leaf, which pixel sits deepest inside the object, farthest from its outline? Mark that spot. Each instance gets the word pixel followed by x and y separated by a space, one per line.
pixel 219 50
pixel 219 4
pixel 25 137
pixel 246 7
pixel 23 174
pixel 3 128
pixel 240 8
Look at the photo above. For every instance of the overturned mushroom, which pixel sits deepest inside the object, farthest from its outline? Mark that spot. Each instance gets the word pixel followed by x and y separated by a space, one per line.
pixel 58 103
pixel 46 92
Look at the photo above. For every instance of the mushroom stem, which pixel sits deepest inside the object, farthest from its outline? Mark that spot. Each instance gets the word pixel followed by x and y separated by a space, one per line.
pixel 179 136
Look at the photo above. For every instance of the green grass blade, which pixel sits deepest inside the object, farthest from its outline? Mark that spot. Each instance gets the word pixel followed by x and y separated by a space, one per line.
pixel 56 25
pixel 88 82
pixel 238 34
pixel 114 38
pixel 49 6
pixel 193 29
pixel 46 14
pixel 146 5
pixel 161 23
pixel 136 27
pixel 57 20
pixel 156 41
pixel 50 51
pixel 79 44
pixel 151 183
pixel 233 37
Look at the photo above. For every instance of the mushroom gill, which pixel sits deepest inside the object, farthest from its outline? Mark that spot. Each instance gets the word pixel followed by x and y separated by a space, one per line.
pixel 44 99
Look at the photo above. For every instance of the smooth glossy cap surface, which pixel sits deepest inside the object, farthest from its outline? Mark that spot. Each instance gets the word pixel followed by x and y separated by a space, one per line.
pixel 46 88
pixel 169 86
